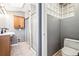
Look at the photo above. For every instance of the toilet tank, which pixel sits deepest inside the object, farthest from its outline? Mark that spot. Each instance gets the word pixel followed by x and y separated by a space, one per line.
pixel 72 43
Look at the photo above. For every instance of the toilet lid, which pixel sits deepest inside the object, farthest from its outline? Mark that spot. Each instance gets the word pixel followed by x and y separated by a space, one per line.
pixel 69 51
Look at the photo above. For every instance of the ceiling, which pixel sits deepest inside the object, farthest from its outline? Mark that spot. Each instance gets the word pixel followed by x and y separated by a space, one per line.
pixel 17 7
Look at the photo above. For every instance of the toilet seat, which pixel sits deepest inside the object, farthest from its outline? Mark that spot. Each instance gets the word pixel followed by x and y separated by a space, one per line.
pixel 69 51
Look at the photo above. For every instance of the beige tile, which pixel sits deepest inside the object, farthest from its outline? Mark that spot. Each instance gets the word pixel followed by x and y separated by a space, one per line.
pixel 22 49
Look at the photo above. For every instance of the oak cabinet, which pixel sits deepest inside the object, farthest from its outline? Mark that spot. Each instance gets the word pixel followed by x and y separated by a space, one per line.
pixel 18 22
pixel 5 48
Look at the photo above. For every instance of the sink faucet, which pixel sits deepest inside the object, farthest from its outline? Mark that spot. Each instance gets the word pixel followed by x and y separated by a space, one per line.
pixel 3 30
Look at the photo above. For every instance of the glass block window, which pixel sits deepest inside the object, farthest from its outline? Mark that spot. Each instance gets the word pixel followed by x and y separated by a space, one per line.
pixel 68 10
pixel 61 11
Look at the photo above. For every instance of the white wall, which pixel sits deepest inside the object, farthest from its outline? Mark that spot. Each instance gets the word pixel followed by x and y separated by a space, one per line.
pixel 35 27
pixel 2 21
pixel 27 37
pixel 27 29
pixel 34 31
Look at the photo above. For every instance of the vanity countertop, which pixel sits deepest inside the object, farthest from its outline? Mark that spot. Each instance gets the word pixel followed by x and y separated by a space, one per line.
pixel 8 33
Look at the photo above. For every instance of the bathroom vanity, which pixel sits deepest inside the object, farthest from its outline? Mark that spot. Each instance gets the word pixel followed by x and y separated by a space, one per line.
pixel 5 44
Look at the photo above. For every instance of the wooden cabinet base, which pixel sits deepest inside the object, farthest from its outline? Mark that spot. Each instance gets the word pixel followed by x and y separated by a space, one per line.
pixel 5 45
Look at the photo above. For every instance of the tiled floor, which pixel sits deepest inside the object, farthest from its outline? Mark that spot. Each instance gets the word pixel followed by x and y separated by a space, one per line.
pixel 22 49
pixel 58 53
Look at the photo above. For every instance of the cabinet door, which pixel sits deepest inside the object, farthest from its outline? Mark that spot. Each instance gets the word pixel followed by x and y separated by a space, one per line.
pixel 18 22
pixel 5 45
pixel 21 22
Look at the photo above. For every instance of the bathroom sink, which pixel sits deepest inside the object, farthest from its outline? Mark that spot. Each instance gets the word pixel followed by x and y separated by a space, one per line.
pixel 8 33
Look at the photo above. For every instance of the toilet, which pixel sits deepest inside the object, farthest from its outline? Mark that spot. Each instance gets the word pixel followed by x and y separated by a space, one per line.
pixel 71 47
